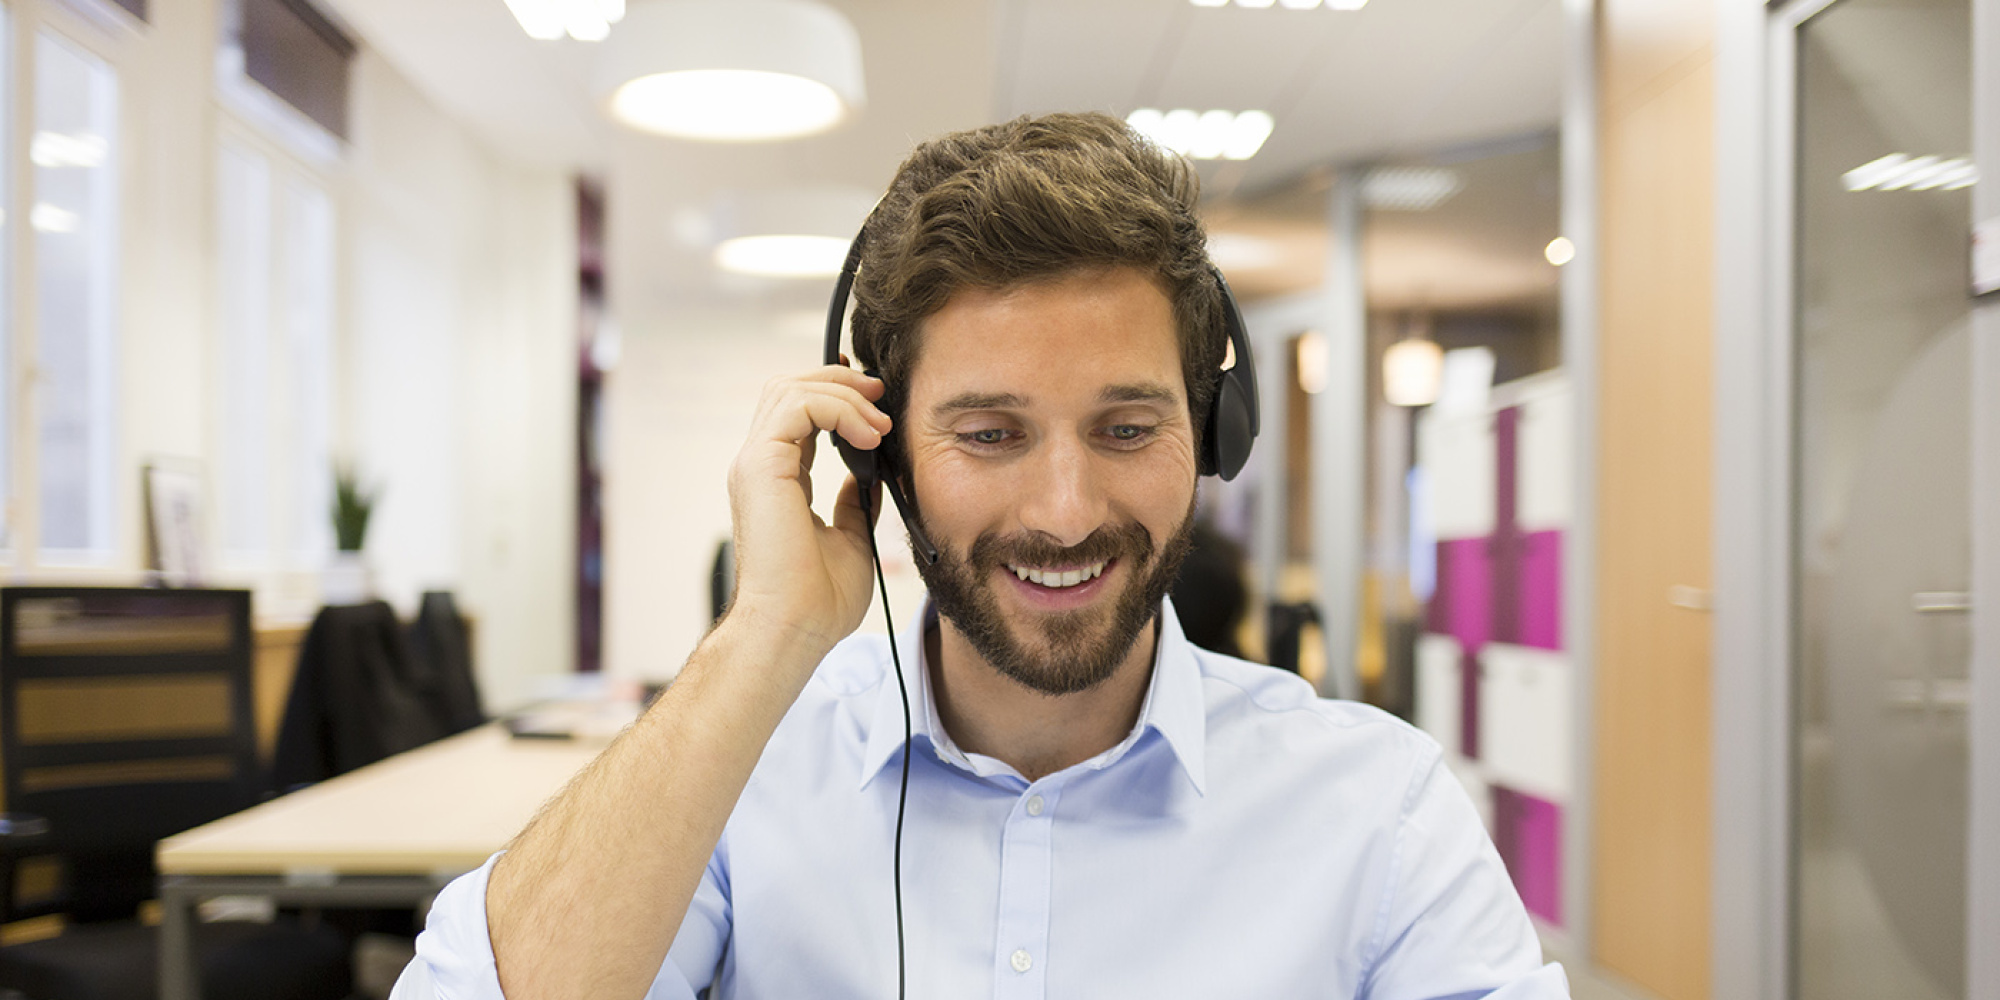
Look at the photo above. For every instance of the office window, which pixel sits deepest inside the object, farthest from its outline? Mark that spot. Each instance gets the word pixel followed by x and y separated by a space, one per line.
pixel 75 217
pixel 308 253
pixel 276 256
pixel 243 200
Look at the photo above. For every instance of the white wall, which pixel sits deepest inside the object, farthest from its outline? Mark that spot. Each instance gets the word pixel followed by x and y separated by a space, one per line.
pixel 462 376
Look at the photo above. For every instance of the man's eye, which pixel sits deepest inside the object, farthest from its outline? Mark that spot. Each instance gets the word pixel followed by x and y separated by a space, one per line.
pixel 986 438
pixel 1128 433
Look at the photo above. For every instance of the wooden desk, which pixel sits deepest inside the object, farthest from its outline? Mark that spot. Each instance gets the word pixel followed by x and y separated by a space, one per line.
pixel 390 834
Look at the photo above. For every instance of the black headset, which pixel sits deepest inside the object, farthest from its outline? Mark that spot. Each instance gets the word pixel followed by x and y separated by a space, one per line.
pixel 1226 438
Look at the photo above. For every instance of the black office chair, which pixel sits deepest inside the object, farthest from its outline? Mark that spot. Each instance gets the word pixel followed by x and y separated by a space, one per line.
pixel 125 718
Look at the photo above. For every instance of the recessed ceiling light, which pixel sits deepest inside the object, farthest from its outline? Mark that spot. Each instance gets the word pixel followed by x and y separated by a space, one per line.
pixel 584 20
pixel 732 70
pixel 1210 135
pixel 1409 189
pixel 1560 251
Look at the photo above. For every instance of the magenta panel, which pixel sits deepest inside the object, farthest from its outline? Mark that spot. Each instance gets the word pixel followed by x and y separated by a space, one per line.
pixel 1465 574
pixel 1541 591
pixel 1528 833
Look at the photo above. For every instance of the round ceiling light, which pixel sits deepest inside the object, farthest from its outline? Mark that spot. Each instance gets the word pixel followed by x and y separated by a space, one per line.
pixel 788 233
pixel 732 70
pixel 782 255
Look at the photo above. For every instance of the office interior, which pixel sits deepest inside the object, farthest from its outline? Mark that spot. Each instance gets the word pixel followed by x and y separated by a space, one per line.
pixel 1627 371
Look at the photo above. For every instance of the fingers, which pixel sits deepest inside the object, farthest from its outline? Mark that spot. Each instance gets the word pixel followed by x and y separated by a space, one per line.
pixel 830 399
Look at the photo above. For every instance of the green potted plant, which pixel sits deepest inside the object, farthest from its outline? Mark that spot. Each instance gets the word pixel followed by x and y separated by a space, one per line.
pixel 347 579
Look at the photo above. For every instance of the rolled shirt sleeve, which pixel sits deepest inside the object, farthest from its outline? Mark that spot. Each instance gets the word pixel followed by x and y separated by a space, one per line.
pixel 1453 925
pixel 455 954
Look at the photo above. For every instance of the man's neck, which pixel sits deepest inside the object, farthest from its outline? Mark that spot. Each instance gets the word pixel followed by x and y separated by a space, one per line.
pixel 988 713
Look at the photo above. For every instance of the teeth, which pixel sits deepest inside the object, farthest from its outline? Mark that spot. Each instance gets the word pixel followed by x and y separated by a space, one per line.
pixel 1058 580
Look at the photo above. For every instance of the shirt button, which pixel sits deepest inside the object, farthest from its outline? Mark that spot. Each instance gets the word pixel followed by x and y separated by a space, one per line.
pixel 1034 805
pixel 1021 961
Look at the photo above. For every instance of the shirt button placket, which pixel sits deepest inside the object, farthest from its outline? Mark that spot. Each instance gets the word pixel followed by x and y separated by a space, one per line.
pixel 1021 945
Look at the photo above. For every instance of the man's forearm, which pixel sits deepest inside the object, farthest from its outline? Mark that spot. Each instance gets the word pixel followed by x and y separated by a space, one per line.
pixel 589 897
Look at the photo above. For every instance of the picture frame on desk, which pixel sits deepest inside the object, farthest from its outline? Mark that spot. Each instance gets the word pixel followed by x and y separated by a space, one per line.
pixel 174 501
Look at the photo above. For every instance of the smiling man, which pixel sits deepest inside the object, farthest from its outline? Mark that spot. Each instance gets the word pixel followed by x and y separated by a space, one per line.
pixel 1096 809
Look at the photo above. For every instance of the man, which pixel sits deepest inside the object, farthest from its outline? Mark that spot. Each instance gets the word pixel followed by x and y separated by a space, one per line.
pixel 1096 808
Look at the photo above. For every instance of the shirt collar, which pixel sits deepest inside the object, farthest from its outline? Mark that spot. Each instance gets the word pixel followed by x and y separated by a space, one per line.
pixel 1174 706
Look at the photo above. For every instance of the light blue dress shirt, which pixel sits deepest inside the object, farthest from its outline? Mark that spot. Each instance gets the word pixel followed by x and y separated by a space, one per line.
pixel 1246 839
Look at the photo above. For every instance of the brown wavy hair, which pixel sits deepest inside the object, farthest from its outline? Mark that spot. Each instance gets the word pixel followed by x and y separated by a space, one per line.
pixel 1027 200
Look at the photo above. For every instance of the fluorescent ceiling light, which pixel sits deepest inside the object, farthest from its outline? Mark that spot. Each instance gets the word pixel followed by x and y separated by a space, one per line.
pixel 783 256
pixel 732 70
pixel 584 20
pixel 1560 251
pixel 1409 189
pixel 1211 135
pixel 1901 172
pixel 54 150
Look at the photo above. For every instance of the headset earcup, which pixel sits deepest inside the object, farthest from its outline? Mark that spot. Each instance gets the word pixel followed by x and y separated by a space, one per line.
pixel 1230 429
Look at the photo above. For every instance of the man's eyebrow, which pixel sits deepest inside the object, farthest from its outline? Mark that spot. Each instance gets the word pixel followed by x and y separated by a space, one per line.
pixel 1139 392
pixel 981 401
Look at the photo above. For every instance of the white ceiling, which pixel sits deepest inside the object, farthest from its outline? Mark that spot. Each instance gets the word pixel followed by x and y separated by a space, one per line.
pixel 1392 80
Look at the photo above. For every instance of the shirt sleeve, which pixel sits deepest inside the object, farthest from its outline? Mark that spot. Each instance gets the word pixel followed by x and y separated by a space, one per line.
pixel 455 955
pixel 1452 925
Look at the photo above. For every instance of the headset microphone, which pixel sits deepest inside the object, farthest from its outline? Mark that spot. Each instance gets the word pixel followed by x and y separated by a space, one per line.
pixel 1227 434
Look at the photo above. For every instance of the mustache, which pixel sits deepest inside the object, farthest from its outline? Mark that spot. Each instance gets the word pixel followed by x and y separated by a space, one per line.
pixel 991 551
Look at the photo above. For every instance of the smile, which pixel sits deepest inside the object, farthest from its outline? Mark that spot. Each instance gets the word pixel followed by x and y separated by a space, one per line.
pixel 1058 579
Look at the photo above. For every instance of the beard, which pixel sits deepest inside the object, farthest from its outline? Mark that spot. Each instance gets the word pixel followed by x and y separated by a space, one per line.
pixel 1063 652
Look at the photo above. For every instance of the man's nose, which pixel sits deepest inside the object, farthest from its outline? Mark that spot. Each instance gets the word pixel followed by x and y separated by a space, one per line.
pixel 1062 491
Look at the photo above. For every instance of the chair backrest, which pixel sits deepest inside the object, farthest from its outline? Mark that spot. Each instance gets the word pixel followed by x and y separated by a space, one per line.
pixel 356 697
pixel 125 717
pixel 441 644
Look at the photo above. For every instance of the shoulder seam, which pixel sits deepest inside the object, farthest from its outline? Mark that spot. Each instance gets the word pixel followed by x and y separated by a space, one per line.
pixel 1420 771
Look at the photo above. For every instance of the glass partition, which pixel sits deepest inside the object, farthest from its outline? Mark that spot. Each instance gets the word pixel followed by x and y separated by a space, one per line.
pixel 1882 552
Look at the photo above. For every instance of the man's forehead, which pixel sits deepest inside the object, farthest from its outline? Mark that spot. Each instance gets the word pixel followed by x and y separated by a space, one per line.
pixel 1143 391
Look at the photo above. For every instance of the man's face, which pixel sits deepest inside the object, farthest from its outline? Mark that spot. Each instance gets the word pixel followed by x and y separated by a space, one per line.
pixel 1053 460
